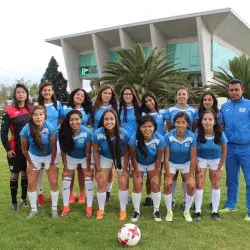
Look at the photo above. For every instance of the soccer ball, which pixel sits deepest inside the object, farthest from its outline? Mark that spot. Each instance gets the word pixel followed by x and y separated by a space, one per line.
pixel 129 235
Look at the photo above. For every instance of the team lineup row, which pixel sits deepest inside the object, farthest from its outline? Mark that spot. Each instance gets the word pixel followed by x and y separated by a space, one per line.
pixel 131 137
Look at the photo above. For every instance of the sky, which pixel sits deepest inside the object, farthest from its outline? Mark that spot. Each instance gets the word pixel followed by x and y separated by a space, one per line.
pixel 24 25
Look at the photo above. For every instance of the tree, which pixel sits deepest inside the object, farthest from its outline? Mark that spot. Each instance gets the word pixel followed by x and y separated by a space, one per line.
pixel 56 78
pixel 6 92
pixel 95 85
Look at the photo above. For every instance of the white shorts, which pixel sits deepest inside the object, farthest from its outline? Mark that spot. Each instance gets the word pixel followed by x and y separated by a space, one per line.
pixel 144 168
pixel 73 163
pixel 108 163
pixel 184 168
pixel 211 164
pixel 38 161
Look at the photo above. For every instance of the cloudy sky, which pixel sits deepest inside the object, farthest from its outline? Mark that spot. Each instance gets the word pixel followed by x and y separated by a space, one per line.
pixel 25 24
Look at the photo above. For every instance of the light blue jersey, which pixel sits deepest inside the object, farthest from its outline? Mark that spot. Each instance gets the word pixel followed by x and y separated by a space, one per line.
pixel 156 143
pixel 190 111
pixel 98 115
pixel 210 150
pixel 48 131
pixel 131 124
pixel 85 117
pixel 100 139
pixel 84 135
pixel 180 150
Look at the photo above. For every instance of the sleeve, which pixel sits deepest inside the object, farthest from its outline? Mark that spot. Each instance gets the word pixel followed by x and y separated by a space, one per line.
pixel 94 138
pixel 24 132
pixel 168 114
pixel 196 115
pixel 194 141
pixel 132 141
pixel 5 130
pixel 220 118
pixel 126 136
pixel 52 131
pixel 223 139
pixel 60 110
pixel 162 143
pixel 167 142
pixel 89 135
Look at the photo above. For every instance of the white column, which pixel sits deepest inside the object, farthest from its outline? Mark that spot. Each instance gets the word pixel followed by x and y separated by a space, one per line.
pixel 126 40
pixel 101 52
pixel 72 67
pixel 157 39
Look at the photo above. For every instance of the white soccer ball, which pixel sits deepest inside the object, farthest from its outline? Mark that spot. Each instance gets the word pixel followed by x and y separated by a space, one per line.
pixel 129 235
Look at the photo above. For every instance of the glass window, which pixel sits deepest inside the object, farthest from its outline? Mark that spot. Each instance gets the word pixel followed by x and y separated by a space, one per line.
pixel 87 66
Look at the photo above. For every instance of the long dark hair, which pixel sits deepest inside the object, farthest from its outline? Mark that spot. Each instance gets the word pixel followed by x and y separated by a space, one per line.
pixel 87 103
pixel 114 147
pixel 217 130
pixel 135 102
pixel 98 102
pixel 66 140
pixel 27 100
pixel 41 98
pixel 144 107
pixel 35 134
pixel 180 115
pixel 215 108
pixel 139 136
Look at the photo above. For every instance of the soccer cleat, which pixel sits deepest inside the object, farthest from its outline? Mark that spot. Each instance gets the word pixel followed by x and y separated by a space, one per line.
pixel 122 215
pixel 183 204
pixel 247 218
pixel 99 214
pixel 65 211
pixel 40 199
pixel 227 210
pixel 157 216
pixel 148 202
pixel 174 205
pixel 72 198
pixel 14 207
pixel 169 216
pixel 31 214
pixel 108 197
pixel 187 216
pixel 136 216
pixel 197 217
pixel 216 216
pixel 81 198
pixel 24 202
pixel 88 212
pixel 54 214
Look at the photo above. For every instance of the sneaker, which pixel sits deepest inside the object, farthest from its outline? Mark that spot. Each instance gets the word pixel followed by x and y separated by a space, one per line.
pixel 227 210
pixel 100 214
pixel 216 216
pixel 108 197
pixel 169 216
pixel 14 207
pixel 136 216
pixel 88 212
pixel 193 207
pixel 247 218
pixel 187 216
pixel 157 216
pixel 197 217
pixel 81 198
pixel 24 202
pixel 65 211
pixel 174 205
pixel 54 214
pixel 40 199
pixel 183 205
pixel 148 202
pixel 72 198
pixel 122 215
pixel 31 214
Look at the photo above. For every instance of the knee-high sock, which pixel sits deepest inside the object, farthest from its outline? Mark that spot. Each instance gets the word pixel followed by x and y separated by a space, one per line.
pixel 174 189
pixel 109 186
pixel 123 198
pixel 189 201
pixel 54 199
pixel 33 200
pixel 66 190
pixel 13 190
pixel 24 185
pixel 198 200
pixel 40 181
pixel 156 197
pixel 101 197
pixel 184 190
pixel 136 199
pixel 89 191
pixel 168 201
pixel 215 200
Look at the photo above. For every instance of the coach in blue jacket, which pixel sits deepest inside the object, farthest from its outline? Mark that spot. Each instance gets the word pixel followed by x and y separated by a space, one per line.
pixel 235 120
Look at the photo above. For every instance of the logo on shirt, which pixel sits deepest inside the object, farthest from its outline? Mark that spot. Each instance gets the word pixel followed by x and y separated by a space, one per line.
pixel 242 109
pixel 153 145
pixel 187 144
pixel 45 136
pixel 81 140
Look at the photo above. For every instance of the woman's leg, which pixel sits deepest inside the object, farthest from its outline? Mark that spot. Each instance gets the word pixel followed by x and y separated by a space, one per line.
pixel 88 178
pixel 81 181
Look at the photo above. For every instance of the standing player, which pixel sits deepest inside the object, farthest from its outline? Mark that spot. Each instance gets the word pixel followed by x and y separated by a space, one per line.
pixel 211 150
pixel 75 142
pixel 14 119
pixel 235 120
pixel 208 101
pixel 110 148
pixel 180 154
pixel 146 150
pixel 38 139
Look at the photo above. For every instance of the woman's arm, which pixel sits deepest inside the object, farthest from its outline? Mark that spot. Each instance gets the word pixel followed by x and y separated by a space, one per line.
pixel 223 156
pixel 88 154
pixel 168 122
pixel 53 149
pixel 194 125
pixel 96 157
pixel 193 162
pixel 166 162
pixel 64 160
pixel 158 159
pixel 25 149
pixel 126 156
pixel 132 151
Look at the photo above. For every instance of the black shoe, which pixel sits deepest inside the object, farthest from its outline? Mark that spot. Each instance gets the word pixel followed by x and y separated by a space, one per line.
pixel 174 205
pixel 157 216
pixel 216 216
pixel 108 197
pixel 136 216
pixel 211 206
pixel 14 207
pixel 24 202
pixel 183 205
pixel 193 207
pixel 197 216
pixel 148 202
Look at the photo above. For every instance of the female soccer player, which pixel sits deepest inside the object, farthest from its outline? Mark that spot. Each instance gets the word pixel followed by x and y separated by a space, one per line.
pixel 110 146
pixel 211 150
pixel 80 100
pixel 182 95
pixel 106 99
pixel 38 139
pixel 180 154
pixel 75 142
pixel 208 101
pixel 14 119
pixel 54 111
pixel 146 150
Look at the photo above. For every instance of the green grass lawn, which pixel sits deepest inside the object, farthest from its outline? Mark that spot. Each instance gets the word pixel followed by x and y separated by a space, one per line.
pixel 77 232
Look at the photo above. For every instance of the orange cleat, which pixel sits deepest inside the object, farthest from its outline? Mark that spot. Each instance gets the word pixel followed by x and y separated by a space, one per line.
pixel 122 215
pixel 65 211
pixel 40 199
pixel 88 212
pixel 81 198
pixel 99 215
pixel 72 198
